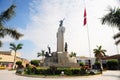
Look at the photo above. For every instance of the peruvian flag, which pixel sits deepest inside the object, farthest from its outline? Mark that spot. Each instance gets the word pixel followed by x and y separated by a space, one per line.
pixel 85 17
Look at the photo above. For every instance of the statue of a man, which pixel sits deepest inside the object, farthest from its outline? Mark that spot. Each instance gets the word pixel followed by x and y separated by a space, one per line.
pixel 49 49
pixel 61 22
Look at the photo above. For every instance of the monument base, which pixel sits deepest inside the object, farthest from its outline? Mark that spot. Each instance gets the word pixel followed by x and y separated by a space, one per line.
pixel 61 59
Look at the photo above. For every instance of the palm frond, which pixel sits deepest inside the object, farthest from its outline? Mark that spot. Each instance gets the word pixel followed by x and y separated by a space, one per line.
pixel 103 50
pixel 112 18
pixel 7 14
pixel 15 47
pixel 20 46
pixel 99 52
pixel 12 45
pixel 117 35
pixel 100 47
pixel 1 33
pixel 13 33
pixel 117 42
pixel 42 53
pixel 0 43
pixel 96 54
pixel 38 54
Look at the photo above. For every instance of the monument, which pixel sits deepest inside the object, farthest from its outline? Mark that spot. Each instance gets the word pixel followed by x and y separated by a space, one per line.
pixel 60 58
pixel 60 37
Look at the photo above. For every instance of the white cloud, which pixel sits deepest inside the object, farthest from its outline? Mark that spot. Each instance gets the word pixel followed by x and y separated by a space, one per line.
pixel 45 16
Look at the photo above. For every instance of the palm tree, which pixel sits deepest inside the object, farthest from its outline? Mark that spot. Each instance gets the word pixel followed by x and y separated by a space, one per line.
pixel 4 17
pixel 113 19
pixel 15 48
pixel 42 53
pixel 99 53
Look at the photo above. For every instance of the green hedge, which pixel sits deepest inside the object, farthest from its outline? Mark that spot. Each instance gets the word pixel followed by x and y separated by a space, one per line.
pixel 35 62
pixel 112 64
pixel 68 71
pixel 82 64
pixel 56 71
pixel 98 65
pixel 19 63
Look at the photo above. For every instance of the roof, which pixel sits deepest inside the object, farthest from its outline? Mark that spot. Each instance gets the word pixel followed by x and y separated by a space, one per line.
pixel 83 57
pixel 5 52
pixel 117 56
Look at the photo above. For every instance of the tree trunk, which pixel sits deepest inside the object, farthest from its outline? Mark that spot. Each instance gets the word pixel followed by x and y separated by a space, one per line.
pixel 101 67
pixel 14 63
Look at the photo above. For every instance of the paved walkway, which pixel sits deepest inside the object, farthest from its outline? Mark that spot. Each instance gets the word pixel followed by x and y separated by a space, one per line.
pixel 107 75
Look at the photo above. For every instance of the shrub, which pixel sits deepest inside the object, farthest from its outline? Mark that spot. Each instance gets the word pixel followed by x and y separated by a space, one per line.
pixel 97 65
pixel 35 62
pixel 119 64
pixel 73 71
pixel 112 64
pixel 92 73
pixel 68 72
pixel 43 71
pixel 20 67
pixel 53 69
pixel 28 69
pixel 20 71
pixel 76 71
pixel 83 71
pixel 81 64
pixel 40 71
pixel 19 63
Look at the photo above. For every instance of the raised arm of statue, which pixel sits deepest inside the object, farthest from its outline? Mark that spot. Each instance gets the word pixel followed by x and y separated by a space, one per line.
pixel 61 22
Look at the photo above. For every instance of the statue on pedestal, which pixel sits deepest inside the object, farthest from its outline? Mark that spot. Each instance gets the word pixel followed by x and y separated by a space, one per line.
pixel 60 58
pixel 60 37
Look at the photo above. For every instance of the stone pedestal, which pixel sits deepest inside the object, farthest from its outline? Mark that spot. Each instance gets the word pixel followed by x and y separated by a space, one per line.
pixel 61 60
pixel 64 60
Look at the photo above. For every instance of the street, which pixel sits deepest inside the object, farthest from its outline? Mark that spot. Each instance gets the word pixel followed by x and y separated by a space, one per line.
pixel 107 75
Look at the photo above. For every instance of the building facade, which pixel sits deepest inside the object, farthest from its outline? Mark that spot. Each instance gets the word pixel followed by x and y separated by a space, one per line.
pixel 85 60
pixel 7 59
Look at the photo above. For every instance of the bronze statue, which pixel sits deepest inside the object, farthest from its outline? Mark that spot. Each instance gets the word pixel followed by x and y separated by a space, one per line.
pixel 66 47
pixel 61 22
pixel 49 49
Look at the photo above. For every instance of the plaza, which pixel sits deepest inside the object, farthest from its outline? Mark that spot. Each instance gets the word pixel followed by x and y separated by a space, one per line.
pixel 107 75
pixel 78 49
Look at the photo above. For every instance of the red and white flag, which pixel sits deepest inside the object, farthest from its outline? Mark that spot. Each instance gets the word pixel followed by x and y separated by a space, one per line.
pixel 85 17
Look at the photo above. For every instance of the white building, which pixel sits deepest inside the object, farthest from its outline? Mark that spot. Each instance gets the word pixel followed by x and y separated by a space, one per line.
pixel 85 60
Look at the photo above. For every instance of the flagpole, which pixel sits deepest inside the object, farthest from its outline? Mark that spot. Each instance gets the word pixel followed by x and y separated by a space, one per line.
pixel 86 23
pixel 88 40
pixel 115 41
pixel 85 16
pixel 89 45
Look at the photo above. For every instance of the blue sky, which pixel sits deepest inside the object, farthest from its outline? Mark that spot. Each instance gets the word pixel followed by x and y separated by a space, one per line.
pixel 22 12
pixel 39 20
